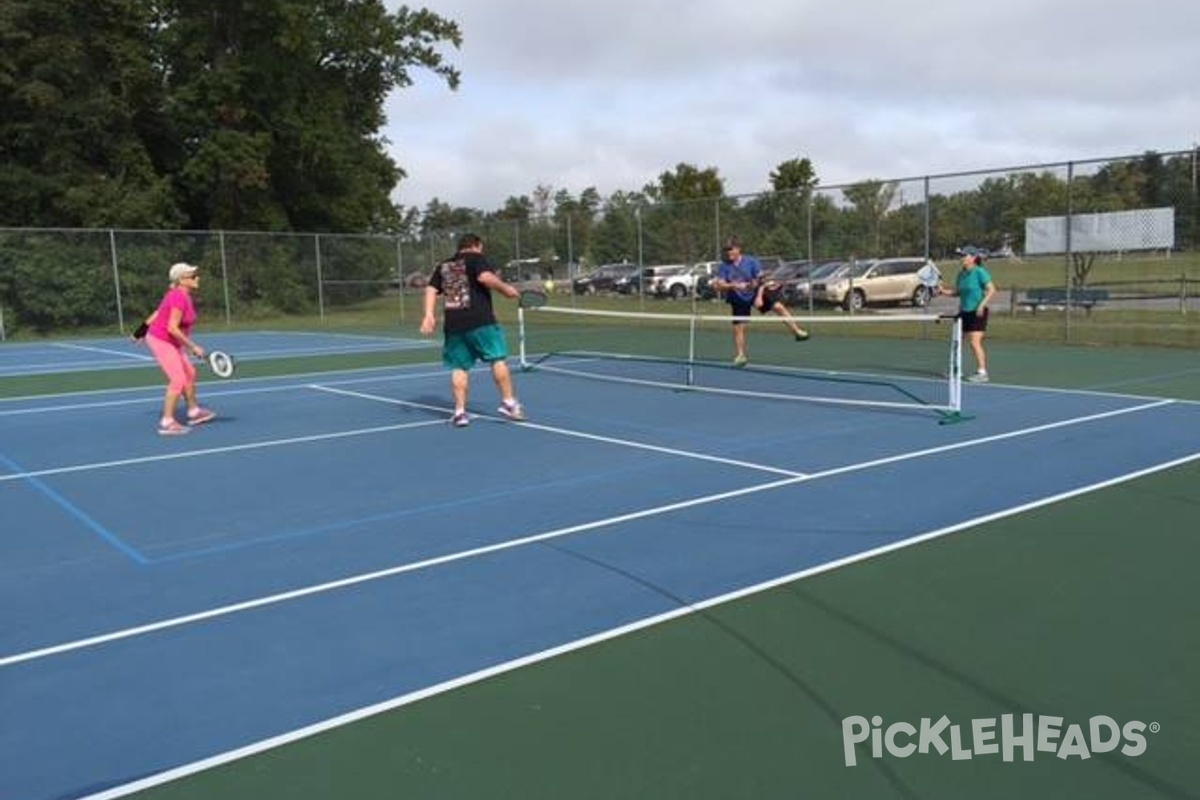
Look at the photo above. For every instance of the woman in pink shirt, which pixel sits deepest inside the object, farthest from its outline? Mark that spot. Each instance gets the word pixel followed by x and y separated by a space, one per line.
pixel 168 335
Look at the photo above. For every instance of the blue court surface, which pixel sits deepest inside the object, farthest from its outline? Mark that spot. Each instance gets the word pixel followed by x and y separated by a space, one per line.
pixel 70 355
pixel 329 543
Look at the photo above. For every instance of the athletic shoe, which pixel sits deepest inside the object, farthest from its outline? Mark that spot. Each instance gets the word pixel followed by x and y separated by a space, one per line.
pixel 740 361
pixel 172 428
pixel 512 409
pixel 460 419
pixel 802 336
pixel 978 377
pixel 198 416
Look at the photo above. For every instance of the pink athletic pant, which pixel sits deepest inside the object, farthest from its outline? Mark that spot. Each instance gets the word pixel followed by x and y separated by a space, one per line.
pixel 180 371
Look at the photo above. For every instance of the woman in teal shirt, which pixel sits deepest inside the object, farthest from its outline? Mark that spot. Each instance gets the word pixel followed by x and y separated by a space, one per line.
pixel 974 289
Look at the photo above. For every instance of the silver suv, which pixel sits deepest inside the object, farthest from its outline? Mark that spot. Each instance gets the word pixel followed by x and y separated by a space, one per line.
pixel 682 282
pixel 886 280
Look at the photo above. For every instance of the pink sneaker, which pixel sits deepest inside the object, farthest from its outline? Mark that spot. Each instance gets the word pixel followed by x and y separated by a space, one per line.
pixel 198 416
pixel 172 428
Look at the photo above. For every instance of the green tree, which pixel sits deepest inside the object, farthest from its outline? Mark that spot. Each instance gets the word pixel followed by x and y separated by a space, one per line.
pixel 440 217
pixel 616 234
pixel 781 216
pixel 577 217
pixel 239 114
pixel 83 126
pixel 279 103
pixel 795 175
pixel 679 228
pixel 871 201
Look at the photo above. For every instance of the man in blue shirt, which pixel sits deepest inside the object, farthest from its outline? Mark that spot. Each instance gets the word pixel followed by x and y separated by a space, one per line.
pixel 740 279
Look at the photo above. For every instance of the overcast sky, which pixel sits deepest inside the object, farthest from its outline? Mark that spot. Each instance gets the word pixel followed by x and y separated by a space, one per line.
pixel 611 93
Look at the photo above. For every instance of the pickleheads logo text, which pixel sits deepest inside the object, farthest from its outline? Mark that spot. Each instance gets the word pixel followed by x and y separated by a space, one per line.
pixel 1029 734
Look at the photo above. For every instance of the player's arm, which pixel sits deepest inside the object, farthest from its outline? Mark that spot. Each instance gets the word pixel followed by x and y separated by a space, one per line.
pixel 988 291
pixel 494 282
pixel 429 318
pixel 721 282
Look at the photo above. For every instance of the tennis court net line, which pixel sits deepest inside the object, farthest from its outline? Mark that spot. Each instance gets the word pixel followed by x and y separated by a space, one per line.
pixel 900 361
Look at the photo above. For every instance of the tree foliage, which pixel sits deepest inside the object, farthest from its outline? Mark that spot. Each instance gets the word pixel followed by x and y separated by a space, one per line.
pixel 242 114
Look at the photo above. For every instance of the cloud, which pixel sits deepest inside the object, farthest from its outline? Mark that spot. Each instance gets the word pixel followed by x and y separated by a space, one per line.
pixel 576 95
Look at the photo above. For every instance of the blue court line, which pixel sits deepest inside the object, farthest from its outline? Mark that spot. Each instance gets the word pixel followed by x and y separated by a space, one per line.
pixel 76 512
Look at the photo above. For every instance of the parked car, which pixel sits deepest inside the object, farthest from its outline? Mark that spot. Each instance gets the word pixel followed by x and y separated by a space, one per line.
pixel 629 284
pixel 683 282
pixel 786 278
pixel 886 280
pixel 800 291
pixel 655 278
pixel 602 279
pixel 770 263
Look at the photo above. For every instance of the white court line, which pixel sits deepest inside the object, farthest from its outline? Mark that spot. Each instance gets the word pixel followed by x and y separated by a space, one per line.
pixel 373 345
pixel 544 655
pixel 400 569
pixel 105 350
pixel 579 434
pixel 296 381
pixel 208 451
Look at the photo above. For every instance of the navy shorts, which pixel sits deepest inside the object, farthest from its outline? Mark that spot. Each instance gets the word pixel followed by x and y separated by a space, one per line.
pixel 742 308
pixel 975 321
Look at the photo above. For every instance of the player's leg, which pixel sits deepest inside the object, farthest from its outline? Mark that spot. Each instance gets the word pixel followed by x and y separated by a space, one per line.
pixel 492 347
pixel 773 304
pixel 196 414
pixel 172 361
pixel 974 326
pixel 457 355
pixel 509 405
pixel 975 340
pixel 740 311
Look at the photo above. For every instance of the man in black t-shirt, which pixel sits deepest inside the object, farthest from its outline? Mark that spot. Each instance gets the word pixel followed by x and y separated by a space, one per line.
pixel 471 333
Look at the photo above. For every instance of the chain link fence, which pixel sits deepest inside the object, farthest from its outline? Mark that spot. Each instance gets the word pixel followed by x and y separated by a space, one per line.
pixel 1102 251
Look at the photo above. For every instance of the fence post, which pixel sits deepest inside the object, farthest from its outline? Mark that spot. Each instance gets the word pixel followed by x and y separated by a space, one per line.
pixel 320 278
pixel 1068 256
pixel 224 277
pixel 400 273
pixel 112 249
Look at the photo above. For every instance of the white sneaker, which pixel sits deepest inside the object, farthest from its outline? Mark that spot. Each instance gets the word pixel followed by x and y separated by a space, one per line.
pixel 512 410
pixel 978 377
pixel 171 427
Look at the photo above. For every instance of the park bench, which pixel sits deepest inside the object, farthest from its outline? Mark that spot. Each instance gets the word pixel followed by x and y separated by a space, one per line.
pixel 1037 299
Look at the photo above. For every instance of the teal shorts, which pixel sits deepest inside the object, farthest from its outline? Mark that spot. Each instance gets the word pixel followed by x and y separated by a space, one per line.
pixel 462 350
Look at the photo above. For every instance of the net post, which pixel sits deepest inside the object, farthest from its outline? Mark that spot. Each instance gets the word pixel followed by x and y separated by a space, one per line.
pixel 954 377
pixel 524 362
pixel 956 365
pixel 691 364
